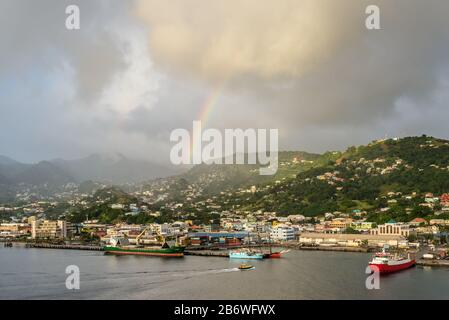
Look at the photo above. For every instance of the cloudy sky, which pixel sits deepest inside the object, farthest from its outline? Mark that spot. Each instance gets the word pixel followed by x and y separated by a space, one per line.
pixel 136 70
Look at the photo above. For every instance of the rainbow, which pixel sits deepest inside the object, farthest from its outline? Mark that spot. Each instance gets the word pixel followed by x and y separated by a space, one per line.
pixel 210 103
pixel 208 107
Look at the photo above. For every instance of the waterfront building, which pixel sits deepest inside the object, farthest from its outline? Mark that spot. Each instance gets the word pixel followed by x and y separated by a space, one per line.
pixel 282 233
pixel 46 229
pixel 218 238
pixel 351 240
pixel 393 228
pixel 12 230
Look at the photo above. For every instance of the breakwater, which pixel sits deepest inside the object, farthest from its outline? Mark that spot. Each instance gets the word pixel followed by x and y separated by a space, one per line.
pixel 207 253
pixel 64 246
pixel 432 263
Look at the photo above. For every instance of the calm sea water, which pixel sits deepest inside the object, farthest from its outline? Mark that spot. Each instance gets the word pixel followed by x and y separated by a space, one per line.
pixel 40 274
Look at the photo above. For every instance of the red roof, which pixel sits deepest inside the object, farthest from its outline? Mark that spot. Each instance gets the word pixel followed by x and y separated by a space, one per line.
pixel 419 220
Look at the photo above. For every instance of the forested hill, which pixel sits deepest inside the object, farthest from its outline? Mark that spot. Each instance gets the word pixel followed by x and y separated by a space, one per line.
pixel 361 178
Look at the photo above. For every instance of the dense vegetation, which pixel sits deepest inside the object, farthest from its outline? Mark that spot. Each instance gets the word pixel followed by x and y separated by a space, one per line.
pixel 423 168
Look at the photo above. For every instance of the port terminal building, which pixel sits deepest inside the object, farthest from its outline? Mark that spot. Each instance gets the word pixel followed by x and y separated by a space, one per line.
pixel 218 238
pixel 352 240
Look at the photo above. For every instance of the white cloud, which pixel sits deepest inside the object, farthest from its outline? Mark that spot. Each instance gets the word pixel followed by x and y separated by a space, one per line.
pixel 136 85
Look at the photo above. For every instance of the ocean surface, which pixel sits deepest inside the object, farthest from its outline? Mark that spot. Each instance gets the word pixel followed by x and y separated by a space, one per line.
pixel 40 274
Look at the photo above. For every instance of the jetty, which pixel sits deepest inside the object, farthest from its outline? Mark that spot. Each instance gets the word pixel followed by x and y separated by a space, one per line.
pixel 338 249
pixel 64 246
pixel 432 263
pixel 207 253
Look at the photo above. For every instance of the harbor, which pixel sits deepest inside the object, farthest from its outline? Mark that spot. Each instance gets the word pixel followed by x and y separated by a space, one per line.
pixel 204 251
pixel 300 274
pixel 212 251
pixel 224 253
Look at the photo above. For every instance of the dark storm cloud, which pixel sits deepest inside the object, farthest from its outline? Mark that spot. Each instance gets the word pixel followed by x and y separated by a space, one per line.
pixel 347 79
pixel 62 85
pixel 138 69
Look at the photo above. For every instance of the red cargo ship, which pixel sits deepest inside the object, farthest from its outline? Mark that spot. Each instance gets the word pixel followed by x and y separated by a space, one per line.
pixel 385 262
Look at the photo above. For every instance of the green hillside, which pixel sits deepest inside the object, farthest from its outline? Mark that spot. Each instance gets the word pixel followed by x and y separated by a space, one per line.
pixel 386 179
pixel 215 178
pixel 360 179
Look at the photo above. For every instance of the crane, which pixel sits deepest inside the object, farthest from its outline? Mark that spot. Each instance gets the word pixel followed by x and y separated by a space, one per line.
pixel 141 234
pixel 160 237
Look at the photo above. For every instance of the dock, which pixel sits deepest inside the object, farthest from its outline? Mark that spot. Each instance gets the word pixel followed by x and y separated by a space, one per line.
pixel 64 246
pixel 338 249
pixel 432 263
pixel 207 253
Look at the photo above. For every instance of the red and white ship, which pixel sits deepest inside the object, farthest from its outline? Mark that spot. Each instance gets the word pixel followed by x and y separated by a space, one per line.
pixel 385 262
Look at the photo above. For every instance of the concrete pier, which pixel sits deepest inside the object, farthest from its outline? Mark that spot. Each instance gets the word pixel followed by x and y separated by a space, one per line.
pixel 432 263
pixel 64 246
pixel 207 253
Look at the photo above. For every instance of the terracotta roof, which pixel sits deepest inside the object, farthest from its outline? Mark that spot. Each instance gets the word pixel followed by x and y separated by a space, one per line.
pixel 418 220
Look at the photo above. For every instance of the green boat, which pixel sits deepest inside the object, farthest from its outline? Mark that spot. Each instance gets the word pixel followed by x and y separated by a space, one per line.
pixel 146 251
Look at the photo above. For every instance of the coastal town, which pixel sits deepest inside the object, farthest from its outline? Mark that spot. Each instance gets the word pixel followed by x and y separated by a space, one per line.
pixel 339 231
pixel 391 192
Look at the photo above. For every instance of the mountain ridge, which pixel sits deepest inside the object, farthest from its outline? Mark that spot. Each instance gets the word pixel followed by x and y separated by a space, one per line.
pixel 105 168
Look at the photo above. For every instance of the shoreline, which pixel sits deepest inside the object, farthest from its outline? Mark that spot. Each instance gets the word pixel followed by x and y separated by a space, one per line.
pixel 224 252
pixel 432 263
pixel 194 251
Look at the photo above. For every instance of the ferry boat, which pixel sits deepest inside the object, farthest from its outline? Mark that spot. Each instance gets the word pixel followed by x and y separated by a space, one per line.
pixel 385 262
pixel 245 254
pixel 120 246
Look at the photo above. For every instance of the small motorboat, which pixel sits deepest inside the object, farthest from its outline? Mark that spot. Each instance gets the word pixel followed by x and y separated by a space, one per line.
pixel 245 266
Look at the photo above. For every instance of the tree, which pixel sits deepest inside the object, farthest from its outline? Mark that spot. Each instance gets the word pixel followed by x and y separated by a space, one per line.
pixel 350 230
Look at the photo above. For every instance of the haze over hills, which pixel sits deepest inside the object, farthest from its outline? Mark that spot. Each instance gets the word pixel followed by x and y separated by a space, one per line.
pixel 114 168
pixel 108 168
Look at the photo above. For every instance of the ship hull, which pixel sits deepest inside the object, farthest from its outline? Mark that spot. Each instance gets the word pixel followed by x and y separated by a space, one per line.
pixel 274 255
pixel 257 256
pixel 390 268
pixel 162 252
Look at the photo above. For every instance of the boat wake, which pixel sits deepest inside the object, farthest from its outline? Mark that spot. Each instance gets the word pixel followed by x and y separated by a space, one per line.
pixel 214 271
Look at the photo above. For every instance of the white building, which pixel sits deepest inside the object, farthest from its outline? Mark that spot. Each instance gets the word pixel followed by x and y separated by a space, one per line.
pixel 48 229
pixel 392 228
pixel 282 234
pixel 351 240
